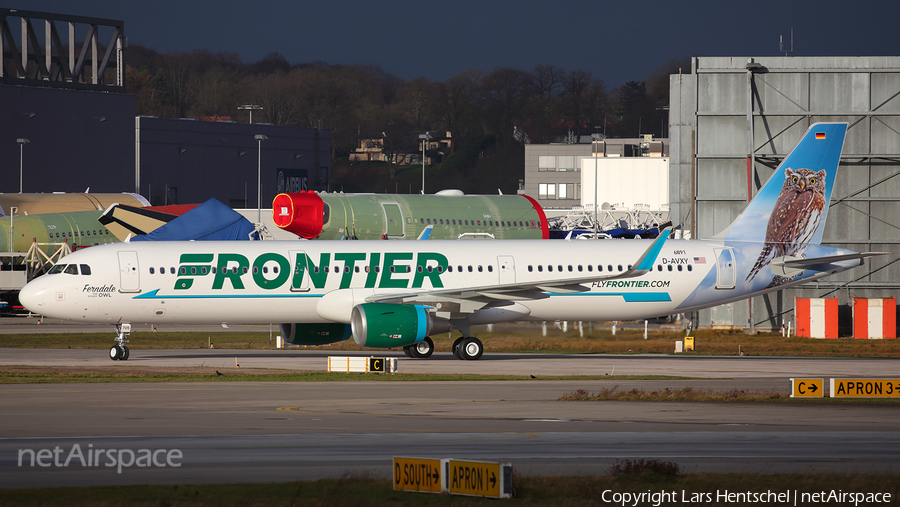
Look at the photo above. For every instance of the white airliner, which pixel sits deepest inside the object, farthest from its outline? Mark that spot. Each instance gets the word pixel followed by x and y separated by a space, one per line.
pixel 395 293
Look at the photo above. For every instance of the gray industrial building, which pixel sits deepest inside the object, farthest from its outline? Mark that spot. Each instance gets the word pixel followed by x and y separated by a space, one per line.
pixel 732 120
pixel 184 161
pixel 67 122
pixel 553 171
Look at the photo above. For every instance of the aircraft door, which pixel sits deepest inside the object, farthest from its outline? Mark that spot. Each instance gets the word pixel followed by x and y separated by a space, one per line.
pixel 725 273
pixel 299 276
pixel 129 272
pixel 507 269
pixel 393 220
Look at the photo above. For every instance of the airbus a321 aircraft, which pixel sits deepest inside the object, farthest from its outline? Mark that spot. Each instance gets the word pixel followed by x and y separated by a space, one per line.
pixel 395 293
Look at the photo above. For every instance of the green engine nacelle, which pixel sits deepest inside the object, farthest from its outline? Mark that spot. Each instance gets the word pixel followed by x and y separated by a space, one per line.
pixel 314 334
pixel 387 325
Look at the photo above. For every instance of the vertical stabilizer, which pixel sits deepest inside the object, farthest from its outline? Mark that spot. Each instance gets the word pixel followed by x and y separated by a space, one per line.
pixel 789 202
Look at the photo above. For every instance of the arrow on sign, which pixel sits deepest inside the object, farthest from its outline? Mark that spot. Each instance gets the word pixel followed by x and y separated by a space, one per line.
pixel 493 480
pixel 813 388
pixel 436 474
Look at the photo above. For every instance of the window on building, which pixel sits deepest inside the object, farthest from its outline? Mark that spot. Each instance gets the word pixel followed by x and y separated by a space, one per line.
pixel 546 163
pixel 566 163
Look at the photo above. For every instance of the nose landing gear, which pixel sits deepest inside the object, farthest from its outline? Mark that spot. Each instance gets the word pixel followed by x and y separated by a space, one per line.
pixel 119 351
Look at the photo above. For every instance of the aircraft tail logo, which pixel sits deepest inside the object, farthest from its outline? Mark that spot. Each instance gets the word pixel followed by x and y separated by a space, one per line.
pixel 788 214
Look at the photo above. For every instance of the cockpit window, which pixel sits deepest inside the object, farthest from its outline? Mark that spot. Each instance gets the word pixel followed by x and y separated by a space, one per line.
pixel 56 269
pixel 71 269
pixel 85 269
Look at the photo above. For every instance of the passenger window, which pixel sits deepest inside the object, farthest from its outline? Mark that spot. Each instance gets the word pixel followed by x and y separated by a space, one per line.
pixel 549 268
pixel 203 270
pixel 670 267
pixel 193 271
pixel 470 269
pixel 480 269
pixel 529 268
pixel 659 267
pixel 152 271
pixel 183 271
pixel 540 268
pixel 679 267
pixel 172 270
pixel 590 267
pixel 690 268
pixel 490 268
pixel 620 267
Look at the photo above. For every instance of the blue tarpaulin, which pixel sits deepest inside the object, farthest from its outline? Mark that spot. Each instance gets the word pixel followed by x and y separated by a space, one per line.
pixel 211 221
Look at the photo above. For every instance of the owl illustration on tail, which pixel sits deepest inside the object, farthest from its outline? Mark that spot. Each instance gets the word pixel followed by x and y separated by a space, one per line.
pixel 795 218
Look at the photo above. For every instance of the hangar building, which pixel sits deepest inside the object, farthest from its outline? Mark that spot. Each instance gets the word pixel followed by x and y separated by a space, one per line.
pixel 732 120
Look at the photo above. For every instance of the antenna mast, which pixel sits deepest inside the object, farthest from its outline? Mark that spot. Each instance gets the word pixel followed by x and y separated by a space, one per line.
pixel 781 43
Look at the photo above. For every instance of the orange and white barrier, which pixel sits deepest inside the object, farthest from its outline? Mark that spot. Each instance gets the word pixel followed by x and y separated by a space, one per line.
pixel 874 318
pixel 816 318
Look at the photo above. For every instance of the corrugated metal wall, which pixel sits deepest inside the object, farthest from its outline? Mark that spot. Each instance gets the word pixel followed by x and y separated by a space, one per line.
pixel 727 112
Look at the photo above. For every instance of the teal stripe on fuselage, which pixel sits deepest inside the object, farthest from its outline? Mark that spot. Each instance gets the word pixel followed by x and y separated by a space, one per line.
pixel 629 297
pixel 153 295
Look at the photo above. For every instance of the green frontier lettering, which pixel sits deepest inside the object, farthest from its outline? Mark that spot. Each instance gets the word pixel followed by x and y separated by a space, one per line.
pixel 230 267
pixel 189 269
pixel 272 270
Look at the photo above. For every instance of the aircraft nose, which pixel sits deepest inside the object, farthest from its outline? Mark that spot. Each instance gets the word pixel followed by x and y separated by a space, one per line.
pixel 32 296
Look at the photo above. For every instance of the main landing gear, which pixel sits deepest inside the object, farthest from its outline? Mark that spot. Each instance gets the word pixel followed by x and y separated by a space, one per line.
pixel 468 348
pixel 420 350
pixel 119 351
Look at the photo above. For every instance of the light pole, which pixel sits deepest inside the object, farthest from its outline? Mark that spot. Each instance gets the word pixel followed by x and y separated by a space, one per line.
pixel 22 142
pixel 595 139
pixel 259 139
pixel 424 137
pixel 251 108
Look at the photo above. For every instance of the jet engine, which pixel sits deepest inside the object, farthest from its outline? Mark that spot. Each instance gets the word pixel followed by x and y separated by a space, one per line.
pixel 314 334
pixel 387 325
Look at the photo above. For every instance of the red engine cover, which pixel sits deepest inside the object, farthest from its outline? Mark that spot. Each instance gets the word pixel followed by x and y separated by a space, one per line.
pixel 299 213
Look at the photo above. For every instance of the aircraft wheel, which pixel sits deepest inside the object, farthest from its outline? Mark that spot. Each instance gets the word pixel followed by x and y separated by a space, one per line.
pixel 125 353
pixel 471 349
pixel 114 352
pixel 423 349
pixel 407 351
pixel 455 347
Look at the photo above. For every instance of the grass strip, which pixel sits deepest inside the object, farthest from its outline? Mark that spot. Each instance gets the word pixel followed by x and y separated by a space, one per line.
pixel 515 338
pixel 537 491
pixel 691 394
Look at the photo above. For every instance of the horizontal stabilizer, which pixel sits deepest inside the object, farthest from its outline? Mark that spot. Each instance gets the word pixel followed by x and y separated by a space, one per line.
pixel 788 266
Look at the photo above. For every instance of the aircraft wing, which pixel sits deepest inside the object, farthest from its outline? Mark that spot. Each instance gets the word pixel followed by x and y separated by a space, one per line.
pixel 479 296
